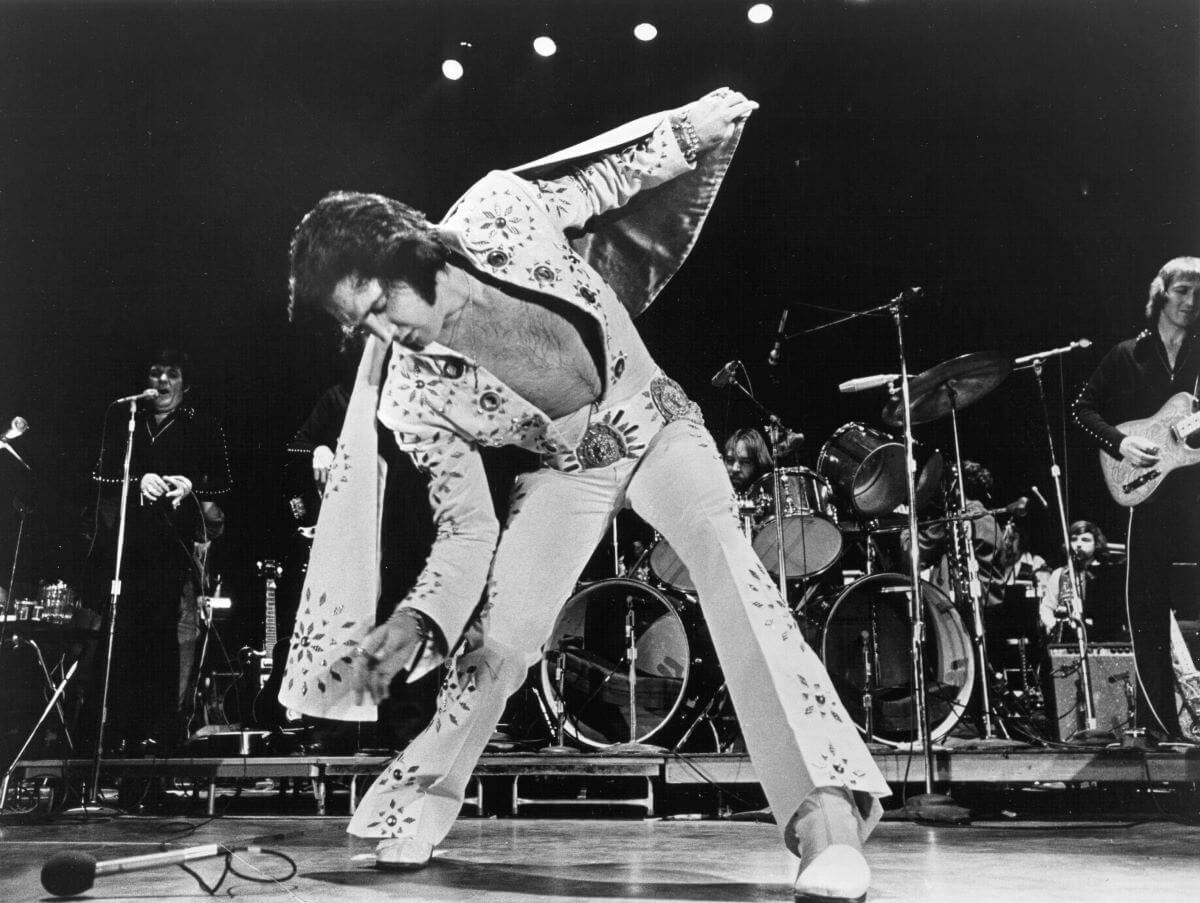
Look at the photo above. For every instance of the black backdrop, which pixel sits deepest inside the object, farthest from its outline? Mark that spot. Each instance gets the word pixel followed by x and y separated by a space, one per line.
pixel 1030 164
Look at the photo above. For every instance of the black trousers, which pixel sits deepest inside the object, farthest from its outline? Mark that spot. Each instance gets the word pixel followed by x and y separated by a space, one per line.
pixel 1164 545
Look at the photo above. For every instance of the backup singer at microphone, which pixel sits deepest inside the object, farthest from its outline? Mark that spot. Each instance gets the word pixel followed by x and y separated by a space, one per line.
pixel 179 472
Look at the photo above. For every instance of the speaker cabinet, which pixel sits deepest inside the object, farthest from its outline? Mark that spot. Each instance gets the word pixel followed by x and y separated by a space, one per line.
pixel 1114 687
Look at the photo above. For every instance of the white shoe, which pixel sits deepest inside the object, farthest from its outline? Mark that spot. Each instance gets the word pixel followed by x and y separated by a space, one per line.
pixel 403 854
pixel 838 874
pixel 823 832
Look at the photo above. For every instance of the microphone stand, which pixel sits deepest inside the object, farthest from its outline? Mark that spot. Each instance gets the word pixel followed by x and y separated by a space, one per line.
pixel 12 579
pixel 927 807
pixel 1089 733
pixel 90 804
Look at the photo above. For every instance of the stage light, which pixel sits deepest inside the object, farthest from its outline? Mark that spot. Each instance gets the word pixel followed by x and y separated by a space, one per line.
pixel 645 32
pixel 544 46
pixel 760 13
pixel 452 69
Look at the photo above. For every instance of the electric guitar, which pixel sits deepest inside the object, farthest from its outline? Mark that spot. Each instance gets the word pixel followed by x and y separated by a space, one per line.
pixel 1170 428
pixel 266 710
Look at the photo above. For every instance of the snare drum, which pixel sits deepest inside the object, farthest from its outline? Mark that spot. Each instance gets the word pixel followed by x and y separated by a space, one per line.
pixel 675 664
pixel 812 541
pixel 871 617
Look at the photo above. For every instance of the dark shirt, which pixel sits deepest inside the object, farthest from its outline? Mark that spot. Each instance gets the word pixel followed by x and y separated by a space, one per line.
pixel 186 443
pixel 1132 382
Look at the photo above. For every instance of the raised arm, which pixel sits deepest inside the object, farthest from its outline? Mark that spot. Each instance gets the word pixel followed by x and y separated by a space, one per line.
pixel 671 149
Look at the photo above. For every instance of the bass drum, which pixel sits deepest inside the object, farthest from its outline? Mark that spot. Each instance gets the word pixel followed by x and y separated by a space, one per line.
pixel 812 541
pixel 676 673
pixel 875 608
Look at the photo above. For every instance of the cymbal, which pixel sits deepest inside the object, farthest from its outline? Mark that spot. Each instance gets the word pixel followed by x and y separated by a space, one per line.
pixel 970 376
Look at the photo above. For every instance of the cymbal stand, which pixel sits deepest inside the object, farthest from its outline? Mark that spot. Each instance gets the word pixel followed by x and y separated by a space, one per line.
pixel 966 550
pixel 1085 667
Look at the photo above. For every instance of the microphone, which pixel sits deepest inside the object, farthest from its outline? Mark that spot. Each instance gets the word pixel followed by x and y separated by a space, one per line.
pixel 866 383
pixel 141 396
pixel 73 872
pixel 18 427
pixel 1041 498
pixel 773 357
pixel 722 377
pixel 1053 352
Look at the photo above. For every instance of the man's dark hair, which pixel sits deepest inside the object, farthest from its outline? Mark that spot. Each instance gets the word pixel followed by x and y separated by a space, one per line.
pixel 367 236
pixel 756 445
pixel 1087 526
pixel 170 356
pixel 977 480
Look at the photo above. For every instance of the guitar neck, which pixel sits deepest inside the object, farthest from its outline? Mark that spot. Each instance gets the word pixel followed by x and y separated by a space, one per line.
pixel 270 635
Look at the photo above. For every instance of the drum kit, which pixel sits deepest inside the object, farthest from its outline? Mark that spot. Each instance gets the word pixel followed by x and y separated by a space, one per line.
pixel 629 660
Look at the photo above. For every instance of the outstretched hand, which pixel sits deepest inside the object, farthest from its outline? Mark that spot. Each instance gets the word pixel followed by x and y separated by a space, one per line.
pixel 383 653
pixel 714 115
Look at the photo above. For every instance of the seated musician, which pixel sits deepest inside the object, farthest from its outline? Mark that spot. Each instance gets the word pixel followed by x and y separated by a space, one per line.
pixel 1087 545
pixel 1133 382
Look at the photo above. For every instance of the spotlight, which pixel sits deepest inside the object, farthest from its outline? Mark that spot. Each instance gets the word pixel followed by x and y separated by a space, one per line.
pixel 645 32
pixel 760 13
pixel 544 46
pixel 452 69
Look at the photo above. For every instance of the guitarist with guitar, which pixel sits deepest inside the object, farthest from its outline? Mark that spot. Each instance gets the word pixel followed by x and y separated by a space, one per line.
pixel 1139 407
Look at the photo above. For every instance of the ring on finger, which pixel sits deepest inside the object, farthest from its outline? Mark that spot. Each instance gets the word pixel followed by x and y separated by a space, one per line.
pixel 371 657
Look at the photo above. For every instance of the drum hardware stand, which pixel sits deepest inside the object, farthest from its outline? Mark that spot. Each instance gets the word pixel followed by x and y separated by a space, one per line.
pixel 91 799
pixel 18 640
pixel 557 658
pixel 55 701
pixel 633 747
pixel 964 549
pixel 1090 734
pixel 868 701
pixel 705 714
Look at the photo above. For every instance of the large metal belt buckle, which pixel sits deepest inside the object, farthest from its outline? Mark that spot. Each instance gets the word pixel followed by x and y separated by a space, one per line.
pixel 671 401
pixel 600 446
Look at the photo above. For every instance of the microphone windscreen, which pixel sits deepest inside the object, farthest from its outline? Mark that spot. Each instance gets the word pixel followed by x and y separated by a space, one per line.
pixel 68 874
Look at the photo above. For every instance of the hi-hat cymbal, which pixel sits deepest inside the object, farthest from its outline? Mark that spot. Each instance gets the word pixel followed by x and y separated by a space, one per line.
pixel 968 378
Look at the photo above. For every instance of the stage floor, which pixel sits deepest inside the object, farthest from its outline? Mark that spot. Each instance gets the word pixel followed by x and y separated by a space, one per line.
pixel 493 860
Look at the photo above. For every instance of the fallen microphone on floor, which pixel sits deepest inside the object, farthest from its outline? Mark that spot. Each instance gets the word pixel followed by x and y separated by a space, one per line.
pixel 71 873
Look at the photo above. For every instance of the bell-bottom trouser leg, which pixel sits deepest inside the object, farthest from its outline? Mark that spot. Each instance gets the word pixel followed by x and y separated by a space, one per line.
pixel 797 732
pixel 555 522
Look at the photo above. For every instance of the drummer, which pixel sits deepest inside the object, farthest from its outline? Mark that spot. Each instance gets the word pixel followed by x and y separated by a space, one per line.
pixel 747 458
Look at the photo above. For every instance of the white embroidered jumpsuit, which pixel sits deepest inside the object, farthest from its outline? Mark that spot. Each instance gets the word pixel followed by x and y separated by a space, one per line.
pixel 642 445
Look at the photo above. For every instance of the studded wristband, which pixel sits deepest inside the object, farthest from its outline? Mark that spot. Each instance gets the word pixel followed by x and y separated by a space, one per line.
pixel 686 137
